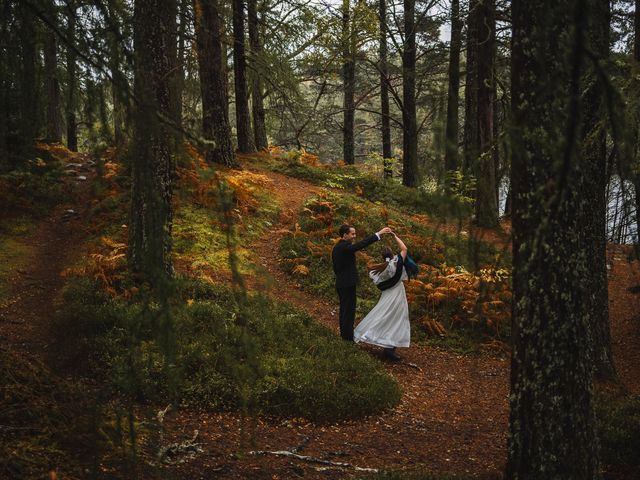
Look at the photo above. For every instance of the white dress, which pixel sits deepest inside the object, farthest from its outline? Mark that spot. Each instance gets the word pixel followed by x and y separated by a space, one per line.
pixel 387 324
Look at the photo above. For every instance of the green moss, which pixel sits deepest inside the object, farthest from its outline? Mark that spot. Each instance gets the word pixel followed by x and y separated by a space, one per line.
pixel 279 363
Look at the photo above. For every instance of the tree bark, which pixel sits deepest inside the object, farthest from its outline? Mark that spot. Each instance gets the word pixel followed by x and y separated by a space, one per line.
pixel 384 91
pixel 409 121
pixel 594 154
pixel 72 130
pixel 257 105
pixel 552 425
pixel 348 82
pixel 152 170
pixel 481 136
pixel 243 119
pixel 470 133
pixel 182 32
pixel 30 101
pixel 453 96
pixel 636 57
pixel 215 116
pixel 54 120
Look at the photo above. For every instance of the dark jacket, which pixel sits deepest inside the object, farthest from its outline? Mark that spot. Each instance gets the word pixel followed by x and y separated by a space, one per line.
pixel 344 260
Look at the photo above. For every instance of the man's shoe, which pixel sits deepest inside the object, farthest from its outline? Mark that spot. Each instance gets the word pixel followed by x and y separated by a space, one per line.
pixel 391 354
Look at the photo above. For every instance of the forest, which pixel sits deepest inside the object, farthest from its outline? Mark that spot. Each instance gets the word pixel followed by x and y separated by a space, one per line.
pixel 322 239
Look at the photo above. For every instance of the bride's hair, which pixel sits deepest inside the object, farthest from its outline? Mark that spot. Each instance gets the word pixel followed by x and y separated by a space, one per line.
pixel 387 254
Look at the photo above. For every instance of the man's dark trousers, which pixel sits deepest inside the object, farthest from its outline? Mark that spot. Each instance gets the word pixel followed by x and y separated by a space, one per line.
pixel 343 258
pixel 347 296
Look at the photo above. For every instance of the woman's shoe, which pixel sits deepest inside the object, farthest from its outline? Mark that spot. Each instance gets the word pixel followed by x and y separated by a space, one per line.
pixel 391 354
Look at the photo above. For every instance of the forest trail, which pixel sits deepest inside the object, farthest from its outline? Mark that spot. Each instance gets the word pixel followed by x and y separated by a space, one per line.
pixel 26 319
pixel 452 416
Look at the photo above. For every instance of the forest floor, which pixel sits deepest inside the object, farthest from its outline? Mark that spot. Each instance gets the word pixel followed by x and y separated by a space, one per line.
pixel 452 418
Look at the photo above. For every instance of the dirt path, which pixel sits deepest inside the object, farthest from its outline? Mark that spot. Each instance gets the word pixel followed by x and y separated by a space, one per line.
pixel 452 416
pixel 26 320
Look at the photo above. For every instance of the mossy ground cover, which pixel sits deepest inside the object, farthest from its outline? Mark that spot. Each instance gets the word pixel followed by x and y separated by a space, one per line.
pixel 208 348
pixel 463 286
pixel 14 251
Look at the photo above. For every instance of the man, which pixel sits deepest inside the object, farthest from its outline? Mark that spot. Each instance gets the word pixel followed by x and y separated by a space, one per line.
pixel 344 266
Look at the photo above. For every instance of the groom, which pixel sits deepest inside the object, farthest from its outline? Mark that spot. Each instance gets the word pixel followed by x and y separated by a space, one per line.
pixel 344 266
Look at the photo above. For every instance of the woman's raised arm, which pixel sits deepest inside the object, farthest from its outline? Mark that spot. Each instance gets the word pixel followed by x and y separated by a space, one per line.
pixel 403 247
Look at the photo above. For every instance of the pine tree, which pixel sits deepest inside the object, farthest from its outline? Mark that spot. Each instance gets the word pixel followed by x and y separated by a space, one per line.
pixel 552 426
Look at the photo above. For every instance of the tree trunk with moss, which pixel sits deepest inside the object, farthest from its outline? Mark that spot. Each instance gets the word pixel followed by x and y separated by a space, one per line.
pixel 594 154
pixel 479 138
pixel 215 115
pixel 552 426
pixel 152 167
pixel 636 57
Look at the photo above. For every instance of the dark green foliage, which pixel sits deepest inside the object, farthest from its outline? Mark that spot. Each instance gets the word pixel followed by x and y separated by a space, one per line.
pixel 387 192
pixel 33 187
pixel 619 432
pixel 280 363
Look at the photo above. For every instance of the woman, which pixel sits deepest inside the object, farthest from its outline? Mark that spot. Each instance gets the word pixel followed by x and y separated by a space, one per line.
pixel 387 324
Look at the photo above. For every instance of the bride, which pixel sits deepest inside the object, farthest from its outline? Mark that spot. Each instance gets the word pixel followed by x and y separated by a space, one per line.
pixel 387 324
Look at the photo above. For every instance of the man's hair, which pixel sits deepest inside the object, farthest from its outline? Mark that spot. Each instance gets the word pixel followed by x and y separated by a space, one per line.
pixel 344 229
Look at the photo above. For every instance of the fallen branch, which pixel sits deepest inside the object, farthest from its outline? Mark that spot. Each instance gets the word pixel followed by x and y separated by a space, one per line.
pixel 306 458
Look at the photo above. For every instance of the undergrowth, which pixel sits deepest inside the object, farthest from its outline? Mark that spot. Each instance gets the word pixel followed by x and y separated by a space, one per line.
pixel 464 283
pixel 274 361
pixel 619 432
pixel 389 192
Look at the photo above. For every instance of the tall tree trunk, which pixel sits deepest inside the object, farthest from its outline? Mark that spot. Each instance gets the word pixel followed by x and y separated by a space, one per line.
pixel 54 120
pixel 182 31
pixel 470 134
pixel 486 207
pixel 594 153
pixel 636 57
pixel 409 121
pixel 453 96
pixel 152 164
pixel 72 94
pixel 384 91
pixel 349 84
pixel 243 119
pixel 171 41
pixel 215 116
pixel 6 90
pixel 257 106
pixel 30 102
pixel 552 425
